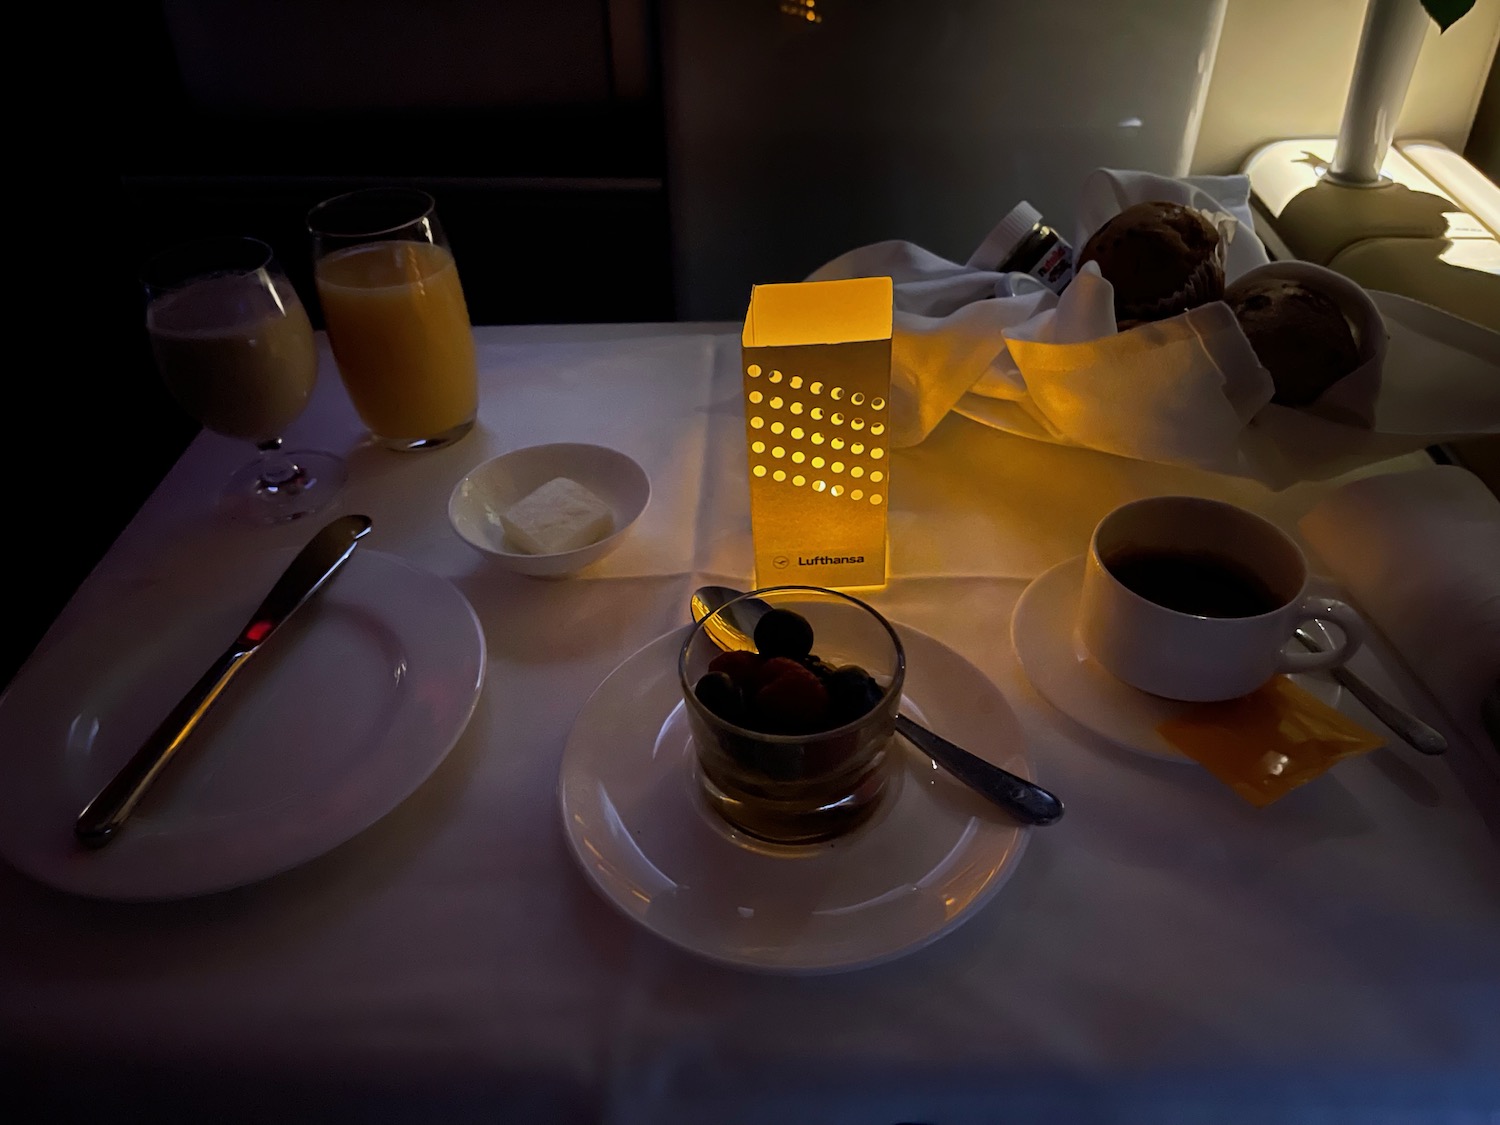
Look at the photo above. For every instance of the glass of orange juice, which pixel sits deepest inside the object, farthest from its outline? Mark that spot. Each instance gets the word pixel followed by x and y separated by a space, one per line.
pixel 395 314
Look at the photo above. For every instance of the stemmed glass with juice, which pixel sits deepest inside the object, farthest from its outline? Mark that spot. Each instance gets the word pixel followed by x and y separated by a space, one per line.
pixel 395 315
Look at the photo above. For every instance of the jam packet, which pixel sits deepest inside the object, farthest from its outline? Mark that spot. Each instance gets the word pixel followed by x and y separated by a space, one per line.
pixel 1265 744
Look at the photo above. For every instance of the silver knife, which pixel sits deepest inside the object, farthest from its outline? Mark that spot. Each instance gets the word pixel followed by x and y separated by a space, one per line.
pixel 1421 736
pixel 328 550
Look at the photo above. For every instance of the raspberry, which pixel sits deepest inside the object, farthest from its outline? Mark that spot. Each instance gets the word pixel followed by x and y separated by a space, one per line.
pixel 774 668
pixel 793 701
pixel 744 668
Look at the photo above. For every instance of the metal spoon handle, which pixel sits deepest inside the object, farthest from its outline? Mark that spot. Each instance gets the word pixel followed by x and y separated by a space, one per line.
pixel 1025 801
pixel 1416 733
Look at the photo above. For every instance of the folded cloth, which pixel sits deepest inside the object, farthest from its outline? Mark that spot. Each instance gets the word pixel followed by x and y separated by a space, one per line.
pixel 1185 390
pixel 1419 552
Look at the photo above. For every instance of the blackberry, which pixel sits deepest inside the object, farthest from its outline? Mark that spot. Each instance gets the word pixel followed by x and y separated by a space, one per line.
pixel 722 696
pixel 852 693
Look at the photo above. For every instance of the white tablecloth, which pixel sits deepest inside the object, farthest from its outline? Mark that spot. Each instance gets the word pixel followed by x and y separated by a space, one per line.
pixel 1164 954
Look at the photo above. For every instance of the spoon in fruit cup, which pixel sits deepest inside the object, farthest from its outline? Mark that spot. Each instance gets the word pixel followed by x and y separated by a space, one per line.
pixel 1024 800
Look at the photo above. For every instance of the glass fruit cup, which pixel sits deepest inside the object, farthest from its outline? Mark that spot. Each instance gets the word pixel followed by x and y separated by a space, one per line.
pixel 812 776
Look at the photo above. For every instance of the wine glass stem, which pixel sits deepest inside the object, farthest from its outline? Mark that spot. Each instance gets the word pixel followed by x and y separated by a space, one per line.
pixel 278 472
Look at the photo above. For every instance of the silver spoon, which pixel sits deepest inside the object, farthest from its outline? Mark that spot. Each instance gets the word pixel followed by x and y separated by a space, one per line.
pixel 1024 800
pixel 1418 734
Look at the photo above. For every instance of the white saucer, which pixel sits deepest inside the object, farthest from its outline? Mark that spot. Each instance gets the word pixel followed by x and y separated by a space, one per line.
pixel 930 857
pixel 346 711
pixel 1042 628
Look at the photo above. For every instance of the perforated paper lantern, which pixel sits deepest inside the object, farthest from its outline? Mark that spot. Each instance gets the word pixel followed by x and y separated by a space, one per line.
pixel 816 359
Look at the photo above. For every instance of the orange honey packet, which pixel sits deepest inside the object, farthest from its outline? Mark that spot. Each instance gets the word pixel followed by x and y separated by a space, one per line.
pixel 1265 744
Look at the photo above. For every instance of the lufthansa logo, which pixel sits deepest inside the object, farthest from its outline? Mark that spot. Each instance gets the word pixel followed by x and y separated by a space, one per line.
pixel 781 562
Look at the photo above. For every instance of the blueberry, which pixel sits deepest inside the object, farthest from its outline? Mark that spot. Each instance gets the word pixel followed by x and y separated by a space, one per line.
pixel 852 692
pixel 817 666
pixel 721 695
pixel 782 632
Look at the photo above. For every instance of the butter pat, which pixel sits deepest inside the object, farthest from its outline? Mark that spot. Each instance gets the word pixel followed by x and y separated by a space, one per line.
pixel 561 515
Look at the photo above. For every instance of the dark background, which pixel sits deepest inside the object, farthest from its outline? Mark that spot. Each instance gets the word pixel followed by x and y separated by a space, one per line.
pixel 544 150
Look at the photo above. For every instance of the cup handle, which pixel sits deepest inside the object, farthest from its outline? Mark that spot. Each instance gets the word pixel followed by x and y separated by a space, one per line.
pixel 1342 615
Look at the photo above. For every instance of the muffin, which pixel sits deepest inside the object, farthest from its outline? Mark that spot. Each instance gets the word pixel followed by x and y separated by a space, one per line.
pixel 1162 259
pixel 1300 335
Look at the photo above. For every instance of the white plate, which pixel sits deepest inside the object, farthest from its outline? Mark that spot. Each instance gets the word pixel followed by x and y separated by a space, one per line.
pixel 1042 628
pixel 334 723
pixel 928 859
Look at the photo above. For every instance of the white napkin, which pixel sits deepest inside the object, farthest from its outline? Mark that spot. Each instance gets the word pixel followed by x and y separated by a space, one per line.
pixel 1187 390
pixel 1419 551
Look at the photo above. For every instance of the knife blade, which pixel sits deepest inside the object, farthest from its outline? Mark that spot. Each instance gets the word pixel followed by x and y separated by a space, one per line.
pixel 314 565
pixel 1417 734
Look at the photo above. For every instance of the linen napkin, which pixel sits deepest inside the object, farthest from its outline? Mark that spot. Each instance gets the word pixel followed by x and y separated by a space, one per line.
pixel 1187 390
pixel 1419 552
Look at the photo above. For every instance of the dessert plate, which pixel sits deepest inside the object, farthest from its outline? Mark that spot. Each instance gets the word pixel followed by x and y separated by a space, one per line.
pixel 344 713
pixel 929 858
pixel 1042 629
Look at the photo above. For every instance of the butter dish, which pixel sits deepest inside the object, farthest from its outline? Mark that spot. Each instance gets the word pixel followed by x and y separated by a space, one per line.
pixel 488 495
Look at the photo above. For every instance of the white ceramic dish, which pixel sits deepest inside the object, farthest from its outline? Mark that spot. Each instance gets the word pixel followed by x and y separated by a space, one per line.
pixel 1042 629
pixel 346 711
pixel 929 858
pixel 492 487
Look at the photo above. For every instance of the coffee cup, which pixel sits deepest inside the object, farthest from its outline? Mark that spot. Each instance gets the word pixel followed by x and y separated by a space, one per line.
pixel 1196 599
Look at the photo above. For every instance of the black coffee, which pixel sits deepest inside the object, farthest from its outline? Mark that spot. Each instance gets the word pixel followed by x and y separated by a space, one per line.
pixel 1196 582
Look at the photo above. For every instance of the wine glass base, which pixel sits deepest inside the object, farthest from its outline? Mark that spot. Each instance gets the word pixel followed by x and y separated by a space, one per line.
pixel 437 441
pixel 319 480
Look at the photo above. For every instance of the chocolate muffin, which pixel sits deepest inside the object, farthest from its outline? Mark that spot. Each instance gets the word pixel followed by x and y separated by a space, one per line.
pixel 1162 259
pixel 1299 334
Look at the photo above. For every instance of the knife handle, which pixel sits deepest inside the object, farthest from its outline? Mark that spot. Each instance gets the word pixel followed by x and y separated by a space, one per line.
pixel 103 816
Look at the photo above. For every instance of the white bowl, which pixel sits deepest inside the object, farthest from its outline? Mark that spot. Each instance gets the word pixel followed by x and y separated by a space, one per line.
pixel 490 488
